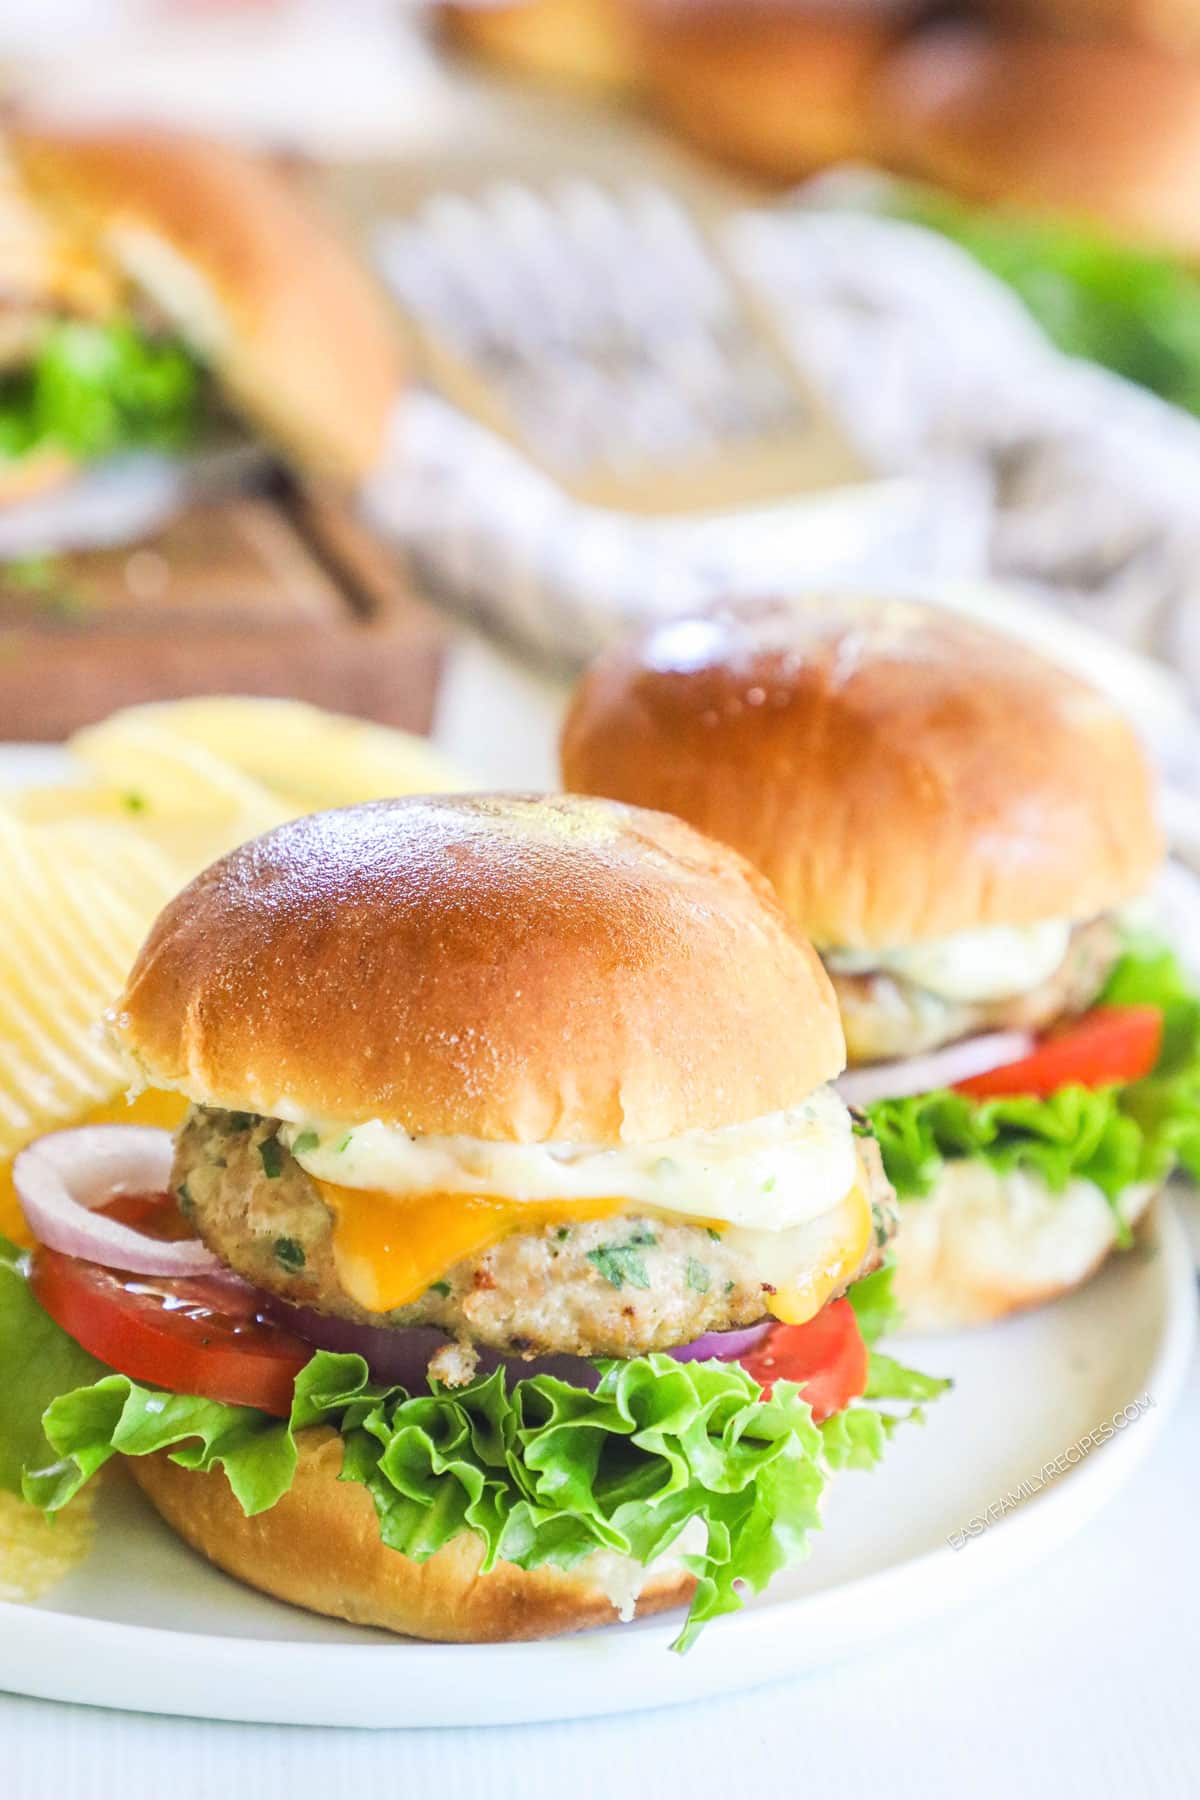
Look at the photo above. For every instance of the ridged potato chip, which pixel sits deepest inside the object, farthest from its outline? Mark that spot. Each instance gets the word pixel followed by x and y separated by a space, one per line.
pixel 77 900
pixel 86 866
pixel 36 1551
pixel 315 758
pixel 179 795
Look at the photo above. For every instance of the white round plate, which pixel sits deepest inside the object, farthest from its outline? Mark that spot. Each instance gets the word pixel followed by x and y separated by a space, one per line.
pixel 147 1626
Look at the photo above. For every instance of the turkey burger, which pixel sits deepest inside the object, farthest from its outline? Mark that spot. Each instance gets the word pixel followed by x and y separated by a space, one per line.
pixel 959 826
pixel 513 1192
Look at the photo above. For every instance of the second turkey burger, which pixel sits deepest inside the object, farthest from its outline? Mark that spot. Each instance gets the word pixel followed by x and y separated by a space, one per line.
pixel 959 826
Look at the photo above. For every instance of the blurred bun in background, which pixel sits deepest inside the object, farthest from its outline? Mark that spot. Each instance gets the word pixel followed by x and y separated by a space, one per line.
pixel 1101 130
pixel 1083 108
pixel 778 91
pixel 1174 24
pixel 222 247
pixel 586 44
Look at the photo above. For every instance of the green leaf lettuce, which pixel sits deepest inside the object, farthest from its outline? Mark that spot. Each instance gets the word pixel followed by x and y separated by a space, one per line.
pixel 1132 309
pixel 93 388
pixel 37 1362
pixel 1113 1136
pixel 541 1471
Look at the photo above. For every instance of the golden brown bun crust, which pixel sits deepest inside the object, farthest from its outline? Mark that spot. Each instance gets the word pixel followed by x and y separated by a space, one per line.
pixel 897 773
pixel 1108 131
pixel 320 1548
pixel 293 325
pixel 776 92
pixel 503 967
pixel 582 43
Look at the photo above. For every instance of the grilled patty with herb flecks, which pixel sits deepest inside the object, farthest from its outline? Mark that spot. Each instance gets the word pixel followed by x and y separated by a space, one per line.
pixel 618 1286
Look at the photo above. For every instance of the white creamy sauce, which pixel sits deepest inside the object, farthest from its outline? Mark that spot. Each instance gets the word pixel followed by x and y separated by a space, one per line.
pixel 621 1579
pixel 812 1251
pixel 770 1174
pixel 994 964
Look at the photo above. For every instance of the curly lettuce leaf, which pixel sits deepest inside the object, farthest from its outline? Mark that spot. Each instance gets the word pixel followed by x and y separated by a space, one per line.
pixel 37 1362
pixel 878 1312
pixel 95 388
pixel 1166 1105
pixel 889 1379
pixel 876 1309
pixel 1112 1136
pixel 541 1471
pixel 116 1415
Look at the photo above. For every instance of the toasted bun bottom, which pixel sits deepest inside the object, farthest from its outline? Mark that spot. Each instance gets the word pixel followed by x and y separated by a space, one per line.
pixel 984 1245
pixel 320 1548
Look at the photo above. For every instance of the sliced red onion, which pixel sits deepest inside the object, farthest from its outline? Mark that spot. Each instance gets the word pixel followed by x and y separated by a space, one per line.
pixel 401 1355
pixel 723 1346
pixel 60 1179
pixel 939 1069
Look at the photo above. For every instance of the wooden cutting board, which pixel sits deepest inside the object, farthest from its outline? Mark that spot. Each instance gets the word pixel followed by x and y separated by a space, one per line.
pixel 275 593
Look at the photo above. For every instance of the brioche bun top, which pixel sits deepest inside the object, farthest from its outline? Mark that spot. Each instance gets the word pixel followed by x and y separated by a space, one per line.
pixel 897 772
pixel 512 968
pixel 293 326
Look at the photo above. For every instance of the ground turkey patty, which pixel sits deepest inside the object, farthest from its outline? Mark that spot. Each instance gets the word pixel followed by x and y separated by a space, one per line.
pixel 560 1289
pixel 886 1017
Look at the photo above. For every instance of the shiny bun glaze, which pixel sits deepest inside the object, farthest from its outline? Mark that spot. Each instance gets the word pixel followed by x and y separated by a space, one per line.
pixel 505 967
pixel 897 772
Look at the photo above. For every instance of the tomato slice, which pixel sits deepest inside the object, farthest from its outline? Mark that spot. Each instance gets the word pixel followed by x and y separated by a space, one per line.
pixel 193 1336
pixel 1109 1045
pixel 827 1358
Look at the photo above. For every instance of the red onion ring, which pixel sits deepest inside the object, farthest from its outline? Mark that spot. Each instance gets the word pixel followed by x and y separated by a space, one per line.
pixel 400 1355
pixel 62 1178
pixel 724 1346
pixel 940 1069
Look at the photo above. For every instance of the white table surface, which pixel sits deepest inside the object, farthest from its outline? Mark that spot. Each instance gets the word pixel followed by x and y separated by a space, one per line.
pixel 1083 1679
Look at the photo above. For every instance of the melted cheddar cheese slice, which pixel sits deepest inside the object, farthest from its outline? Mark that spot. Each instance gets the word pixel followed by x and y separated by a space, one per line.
pixel 835 1247
pixel 389 1249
